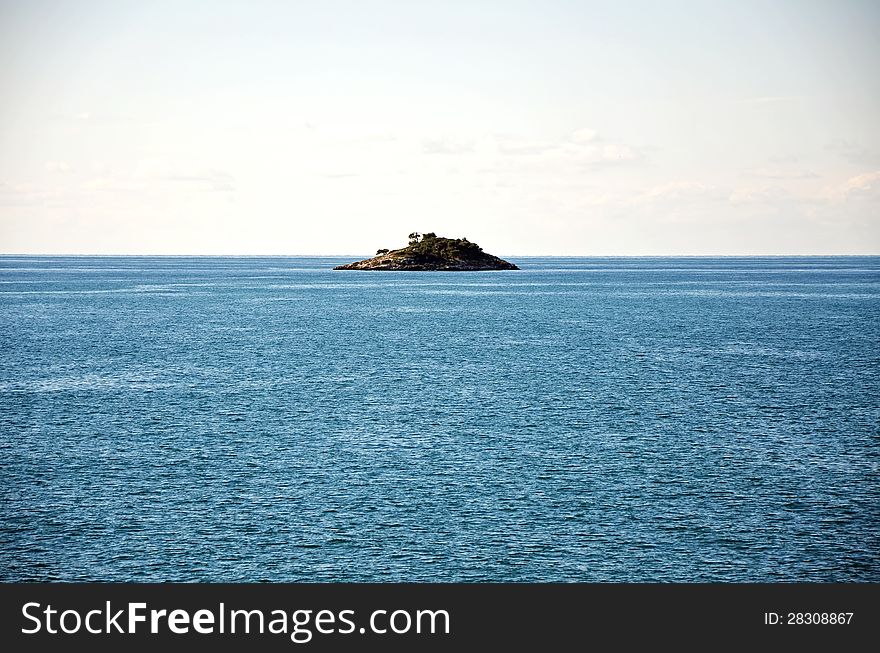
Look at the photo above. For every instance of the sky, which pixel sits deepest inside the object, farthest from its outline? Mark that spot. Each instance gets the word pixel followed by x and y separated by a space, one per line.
pixel 532 128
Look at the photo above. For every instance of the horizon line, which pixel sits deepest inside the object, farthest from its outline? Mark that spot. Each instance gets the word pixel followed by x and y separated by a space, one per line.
pixel 152 255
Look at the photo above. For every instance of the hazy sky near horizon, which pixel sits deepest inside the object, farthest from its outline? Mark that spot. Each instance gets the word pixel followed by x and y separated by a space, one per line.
pixel 545 127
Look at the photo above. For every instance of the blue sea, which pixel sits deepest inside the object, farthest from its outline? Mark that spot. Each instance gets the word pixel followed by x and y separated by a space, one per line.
pixel 583 419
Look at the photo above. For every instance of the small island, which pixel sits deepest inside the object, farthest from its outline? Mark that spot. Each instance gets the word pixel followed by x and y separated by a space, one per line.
pixel 428 252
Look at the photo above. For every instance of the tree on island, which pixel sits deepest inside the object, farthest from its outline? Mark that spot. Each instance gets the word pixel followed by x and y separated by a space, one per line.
pixel 379 252
pixel 414 237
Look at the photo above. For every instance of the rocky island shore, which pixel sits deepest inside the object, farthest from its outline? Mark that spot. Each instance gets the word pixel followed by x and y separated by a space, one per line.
pixel 431 252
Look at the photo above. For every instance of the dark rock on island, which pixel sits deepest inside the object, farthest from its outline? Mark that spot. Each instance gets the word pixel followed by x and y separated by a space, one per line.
pixel 432 252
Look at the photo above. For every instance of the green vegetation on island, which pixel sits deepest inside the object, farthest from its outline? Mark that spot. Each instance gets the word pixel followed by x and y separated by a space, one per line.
pixel 432 252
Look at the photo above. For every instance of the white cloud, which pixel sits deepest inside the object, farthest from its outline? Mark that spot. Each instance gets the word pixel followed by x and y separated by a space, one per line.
pixel 853 152
pixel 581 150
pixel 863 186
pixel 10 191
pixel 613 152
pixel 447 145
pixel 209 179
pixel 57 166
pixel 521 147
pixel 26 194
pixel 112 184
pixel 584 135
pixel 781 173
pixel 762 194
pixel 864 182
pixel 510 153
pixel 785 158
pixel 337 175
pixel 677 202
pixel 676 190
pixel 187 175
